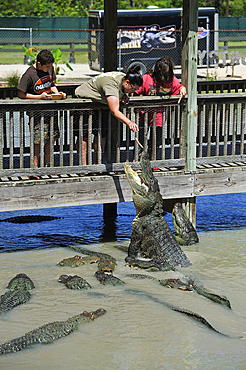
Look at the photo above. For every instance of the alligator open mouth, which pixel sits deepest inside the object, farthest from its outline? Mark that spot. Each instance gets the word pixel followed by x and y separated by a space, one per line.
pixel 137 183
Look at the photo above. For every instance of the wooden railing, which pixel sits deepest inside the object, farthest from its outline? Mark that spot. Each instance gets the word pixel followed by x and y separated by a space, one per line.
pixel 219 86
pixel 221 132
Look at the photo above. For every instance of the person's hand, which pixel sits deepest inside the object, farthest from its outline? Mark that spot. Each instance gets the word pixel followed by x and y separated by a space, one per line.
pixel 133 126
pixel 125 99
pixel 63 94
pixel 45 96
pixel 182 93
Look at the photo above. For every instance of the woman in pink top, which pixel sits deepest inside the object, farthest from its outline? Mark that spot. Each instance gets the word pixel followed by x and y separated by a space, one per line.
pixel 161 81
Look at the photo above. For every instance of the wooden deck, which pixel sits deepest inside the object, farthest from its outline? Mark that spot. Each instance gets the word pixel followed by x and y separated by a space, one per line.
pixel 73 188
pixel 220 159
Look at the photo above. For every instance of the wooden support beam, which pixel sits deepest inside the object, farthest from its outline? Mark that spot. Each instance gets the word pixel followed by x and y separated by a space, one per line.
pixel 189 77
pixel 189 80
pixel 110 64
pixel 110 35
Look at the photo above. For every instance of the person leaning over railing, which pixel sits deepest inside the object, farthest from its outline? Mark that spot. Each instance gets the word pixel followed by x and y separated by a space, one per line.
pixel 161 81
pixel 108 88
pixel 38 82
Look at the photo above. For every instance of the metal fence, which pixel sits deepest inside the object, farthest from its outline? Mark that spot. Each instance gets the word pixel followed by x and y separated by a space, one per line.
pixel 216 49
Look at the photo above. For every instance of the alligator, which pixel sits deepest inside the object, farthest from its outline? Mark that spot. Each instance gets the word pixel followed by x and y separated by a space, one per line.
pixel 176 283
pixel 185 232
pixel 18 294
pixel 153 265
pixel 11 299
pixel 48 333
pixel 190 285
pixel 151 235
pixel 77 261
pixel 21 282
pixel 105 261
pixel 184 311
pixel 106 278
pixel 74 282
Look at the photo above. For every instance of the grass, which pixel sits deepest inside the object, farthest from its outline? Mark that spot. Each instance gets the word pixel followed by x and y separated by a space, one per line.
pixel 13 79
pixel 13 54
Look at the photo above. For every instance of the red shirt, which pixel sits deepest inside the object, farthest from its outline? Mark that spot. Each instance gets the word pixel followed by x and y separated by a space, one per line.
pixel 149 87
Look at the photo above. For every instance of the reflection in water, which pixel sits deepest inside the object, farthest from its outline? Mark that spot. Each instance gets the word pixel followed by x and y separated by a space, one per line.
pixel 136 332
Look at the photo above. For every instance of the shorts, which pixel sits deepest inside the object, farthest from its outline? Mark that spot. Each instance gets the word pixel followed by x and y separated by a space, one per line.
pixel 95 122
pixel 37 128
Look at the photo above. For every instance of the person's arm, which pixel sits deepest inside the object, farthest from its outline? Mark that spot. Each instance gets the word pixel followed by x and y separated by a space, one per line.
pixel 114 105
pixel 54 90
pixel 24 95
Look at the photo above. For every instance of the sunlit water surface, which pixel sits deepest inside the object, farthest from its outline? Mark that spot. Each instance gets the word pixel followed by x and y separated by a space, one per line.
pixel 138 331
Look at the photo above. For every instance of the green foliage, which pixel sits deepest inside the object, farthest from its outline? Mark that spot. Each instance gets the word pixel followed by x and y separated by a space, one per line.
pixel 80 8
pixel 45 8
pixel 31 53
pixel 13 79
pixel 57 54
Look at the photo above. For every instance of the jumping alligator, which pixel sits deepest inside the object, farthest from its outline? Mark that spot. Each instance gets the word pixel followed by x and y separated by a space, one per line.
pixel 48 333
pixel 18 294
pixel 151 235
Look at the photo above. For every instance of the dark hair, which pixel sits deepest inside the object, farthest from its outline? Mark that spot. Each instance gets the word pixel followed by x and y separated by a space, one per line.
pixel 163 70
pixel 45 57
pixel 134 75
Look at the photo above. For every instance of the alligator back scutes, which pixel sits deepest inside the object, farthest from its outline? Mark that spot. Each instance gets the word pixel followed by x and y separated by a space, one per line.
pixel 11 299
pixel 21 282
pixel 48 333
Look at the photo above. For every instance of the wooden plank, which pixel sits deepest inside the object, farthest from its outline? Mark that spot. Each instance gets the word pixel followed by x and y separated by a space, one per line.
pixel 84 191
pixel 110 35
pixel 220 182
pixel 71 191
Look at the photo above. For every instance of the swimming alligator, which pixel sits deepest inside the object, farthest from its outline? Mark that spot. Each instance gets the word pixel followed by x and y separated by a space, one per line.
pixel 185 232
pixel 190 285
pixel 77 261
pixel 18 294
pixel 21 282
pixel 151 235
pixel 74 282
pixel 105 261
pixel 48 333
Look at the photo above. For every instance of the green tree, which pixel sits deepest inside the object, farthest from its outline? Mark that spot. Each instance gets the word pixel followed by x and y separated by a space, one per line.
pixel 80 8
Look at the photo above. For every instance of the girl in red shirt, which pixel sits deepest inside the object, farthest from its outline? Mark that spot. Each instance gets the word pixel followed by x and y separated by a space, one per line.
pixel 161 81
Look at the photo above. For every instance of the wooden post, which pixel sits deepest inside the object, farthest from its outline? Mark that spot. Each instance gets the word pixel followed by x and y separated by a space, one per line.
pixel 110 64
pixel 189 80
pixel 110 35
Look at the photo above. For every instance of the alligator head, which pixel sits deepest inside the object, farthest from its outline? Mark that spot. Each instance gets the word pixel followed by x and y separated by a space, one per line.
pixel 145 188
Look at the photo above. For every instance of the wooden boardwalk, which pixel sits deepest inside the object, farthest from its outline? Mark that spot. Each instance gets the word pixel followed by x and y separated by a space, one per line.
pixel 77 188
pixel 220 147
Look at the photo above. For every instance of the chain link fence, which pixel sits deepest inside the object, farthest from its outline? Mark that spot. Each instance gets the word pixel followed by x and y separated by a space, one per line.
pixel 72 43
pixel 216 49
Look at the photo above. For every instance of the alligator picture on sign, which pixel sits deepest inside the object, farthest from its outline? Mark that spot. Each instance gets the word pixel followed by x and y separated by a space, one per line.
pixel 145 35
pixel 146 38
